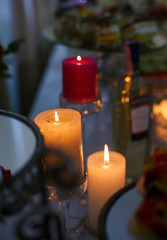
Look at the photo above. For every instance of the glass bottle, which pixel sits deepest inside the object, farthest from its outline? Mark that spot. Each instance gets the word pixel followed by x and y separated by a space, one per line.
pixel 131 112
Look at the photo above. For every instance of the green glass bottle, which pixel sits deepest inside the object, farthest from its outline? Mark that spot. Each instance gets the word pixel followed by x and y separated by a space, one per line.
pixel 131 112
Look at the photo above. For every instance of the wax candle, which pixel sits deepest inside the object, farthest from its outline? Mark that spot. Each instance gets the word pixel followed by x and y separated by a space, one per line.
pixel 79 79
pixel 106 175
pixel 61 129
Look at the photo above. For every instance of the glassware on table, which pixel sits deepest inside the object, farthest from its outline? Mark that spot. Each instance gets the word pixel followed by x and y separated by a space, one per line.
pixel 85 110
pixel 131 111
pixel 62 184
pixel 61 129
pixel 80 89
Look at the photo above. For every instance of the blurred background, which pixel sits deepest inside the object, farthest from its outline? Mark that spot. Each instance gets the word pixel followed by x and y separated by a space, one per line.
pixel 22 19
pixel 26 19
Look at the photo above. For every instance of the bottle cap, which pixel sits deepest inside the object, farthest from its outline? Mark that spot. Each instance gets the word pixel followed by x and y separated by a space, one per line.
pixel 132 56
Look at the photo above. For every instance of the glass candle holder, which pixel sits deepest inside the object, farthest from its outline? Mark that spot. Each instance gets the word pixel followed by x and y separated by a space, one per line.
pixel 80 90
pixel 85 110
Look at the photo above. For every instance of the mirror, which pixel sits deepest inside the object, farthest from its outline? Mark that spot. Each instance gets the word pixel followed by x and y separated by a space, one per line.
pixel 21 151
pixel 19 142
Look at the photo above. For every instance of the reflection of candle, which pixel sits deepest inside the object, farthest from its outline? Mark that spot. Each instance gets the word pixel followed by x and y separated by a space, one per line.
pixel 61 128
pixel 79 79
pixel 106 175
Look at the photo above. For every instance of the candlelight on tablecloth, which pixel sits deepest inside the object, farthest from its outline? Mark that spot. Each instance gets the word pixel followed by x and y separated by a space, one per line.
pixel 61 129
pixel 106 175
pixel 79 79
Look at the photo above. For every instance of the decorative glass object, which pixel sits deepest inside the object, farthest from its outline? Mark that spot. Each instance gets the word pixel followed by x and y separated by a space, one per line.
pixel 62 183
pixel 80 89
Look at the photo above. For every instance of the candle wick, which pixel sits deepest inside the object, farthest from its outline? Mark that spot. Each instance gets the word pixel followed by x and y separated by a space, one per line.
pixel 106 163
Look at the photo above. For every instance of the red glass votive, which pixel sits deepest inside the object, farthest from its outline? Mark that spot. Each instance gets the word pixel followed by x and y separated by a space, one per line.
pixel 79 79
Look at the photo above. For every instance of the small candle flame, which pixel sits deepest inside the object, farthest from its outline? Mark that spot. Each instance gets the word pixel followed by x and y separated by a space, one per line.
pixel 56 118
pixel 79 58
pixel 127 79
pixel 106 155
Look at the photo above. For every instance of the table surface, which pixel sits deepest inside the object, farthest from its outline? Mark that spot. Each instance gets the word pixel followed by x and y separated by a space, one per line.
pixel 97 129
pixel 98 126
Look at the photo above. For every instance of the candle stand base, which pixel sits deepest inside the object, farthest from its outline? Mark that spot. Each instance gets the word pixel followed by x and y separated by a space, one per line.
pixel 66 194
pixel 63 196
pixel 85 229
pixel 84 108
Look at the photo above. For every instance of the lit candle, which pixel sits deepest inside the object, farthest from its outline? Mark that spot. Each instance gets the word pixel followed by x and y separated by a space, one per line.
pixel 106 175
pixel 79 79
pixel 61 129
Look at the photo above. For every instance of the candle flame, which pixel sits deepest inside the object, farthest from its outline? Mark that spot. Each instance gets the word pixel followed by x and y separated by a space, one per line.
pixel 127 79
pixel 79 58
pixel 56 118
pixel 106 155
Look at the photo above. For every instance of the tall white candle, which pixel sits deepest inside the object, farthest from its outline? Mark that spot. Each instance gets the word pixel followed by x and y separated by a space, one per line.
pixel 106 175
pixel 61 129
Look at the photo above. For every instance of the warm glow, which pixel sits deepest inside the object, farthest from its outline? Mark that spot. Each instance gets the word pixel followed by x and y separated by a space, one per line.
pixel 106 155
pixel 127 79
pixel 163 108
pixel 79 58
pixel 56 118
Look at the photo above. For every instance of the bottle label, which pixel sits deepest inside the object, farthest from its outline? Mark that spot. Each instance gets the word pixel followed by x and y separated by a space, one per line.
pixel 140 115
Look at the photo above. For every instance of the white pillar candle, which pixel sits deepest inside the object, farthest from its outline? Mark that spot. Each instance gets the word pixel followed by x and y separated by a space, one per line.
pixel 106 175
pixel 61 129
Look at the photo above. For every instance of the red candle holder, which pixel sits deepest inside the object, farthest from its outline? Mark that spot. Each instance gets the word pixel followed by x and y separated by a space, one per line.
pixel 80 86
